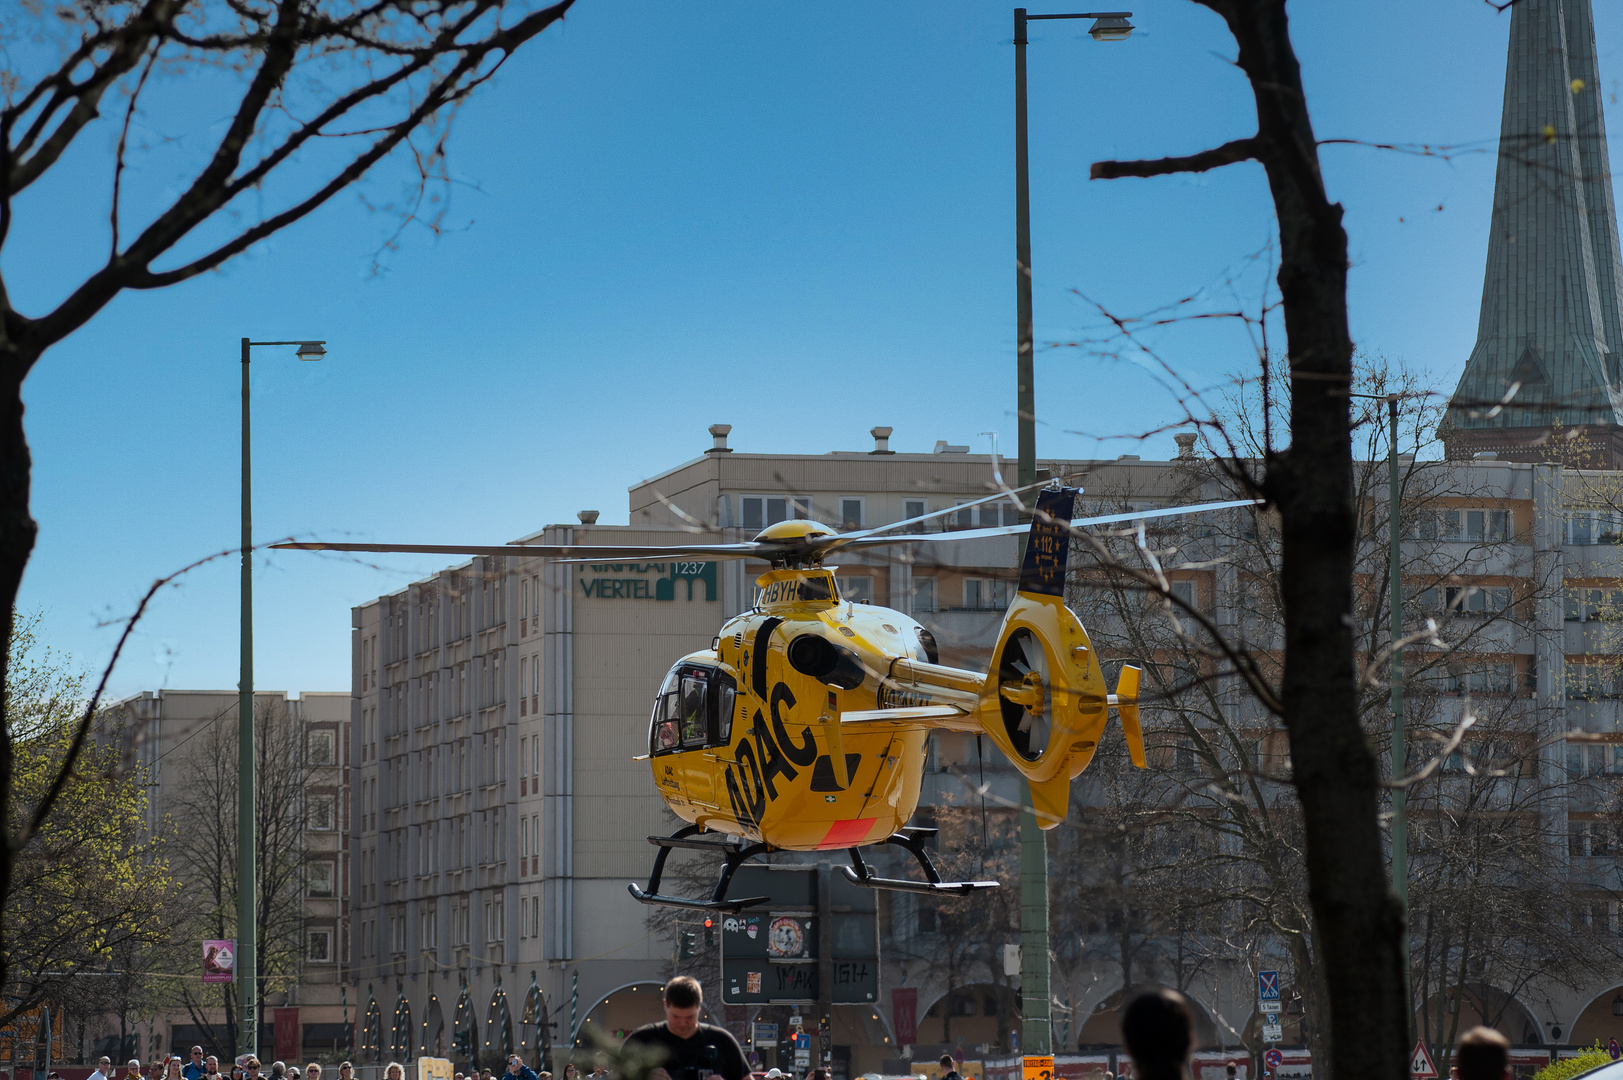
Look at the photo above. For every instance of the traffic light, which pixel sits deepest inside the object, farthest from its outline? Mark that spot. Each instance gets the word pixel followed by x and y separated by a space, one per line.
pixel 709 932
pixel 686 952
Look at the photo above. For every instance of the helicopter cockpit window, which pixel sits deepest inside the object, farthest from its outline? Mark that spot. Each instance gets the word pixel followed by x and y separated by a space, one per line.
pixel 694 709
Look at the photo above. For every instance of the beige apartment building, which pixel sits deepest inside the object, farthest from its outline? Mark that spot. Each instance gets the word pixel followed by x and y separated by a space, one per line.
pixel 185 742
pixel 499 814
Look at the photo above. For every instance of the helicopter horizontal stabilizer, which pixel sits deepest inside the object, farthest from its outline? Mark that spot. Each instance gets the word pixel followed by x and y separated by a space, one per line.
pixel 932 716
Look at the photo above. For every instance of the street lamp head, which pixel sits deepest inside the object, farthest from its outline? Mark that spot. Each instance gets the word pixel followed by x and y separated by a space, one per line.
pixel 1111 28
pixel 310 350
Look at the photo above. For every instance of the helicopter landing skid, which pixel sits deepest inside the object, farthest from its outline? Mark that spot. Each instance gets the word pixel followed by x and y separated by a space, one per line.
pixel 910 839
pixel 687 838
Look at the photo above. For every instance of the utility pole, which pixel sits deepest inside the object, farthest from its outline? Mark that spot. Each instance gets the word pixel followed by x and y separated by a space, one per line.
pixel 1036 1029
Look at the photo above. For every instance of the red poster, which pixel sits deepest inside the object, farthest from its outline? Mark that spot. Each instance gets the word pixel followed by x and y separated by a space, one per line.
pixel 287 1034
pixel 904 1008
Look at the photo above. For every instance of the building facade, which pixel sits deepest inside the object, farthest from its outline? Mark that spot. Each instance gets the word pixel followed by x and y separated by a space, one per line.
pixel 185 742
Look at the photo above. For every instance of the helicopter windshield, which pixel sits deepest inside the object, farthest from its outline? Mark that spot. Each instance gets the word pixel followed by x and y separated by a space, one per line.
pixel 694 709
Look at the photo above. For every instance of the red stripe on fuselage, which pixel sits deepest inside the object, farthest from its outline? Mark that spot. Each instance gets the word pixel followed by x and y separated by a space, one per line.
pixel 843 834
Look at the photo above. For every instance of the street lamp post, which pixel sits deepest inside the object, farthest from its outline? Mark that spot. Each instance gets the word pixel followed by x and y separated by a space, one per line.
pixel 1036 1033
pixel 247 964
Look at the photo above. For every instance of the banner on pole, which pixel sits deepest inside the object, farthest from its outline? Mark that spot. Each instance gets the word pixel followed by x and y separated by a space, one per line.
pixel 219 961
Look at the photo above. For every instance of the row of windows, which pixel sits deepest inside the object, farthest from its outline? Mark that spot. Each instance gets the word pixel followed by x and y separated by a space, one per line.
pixel 756 512
pixel 1479 526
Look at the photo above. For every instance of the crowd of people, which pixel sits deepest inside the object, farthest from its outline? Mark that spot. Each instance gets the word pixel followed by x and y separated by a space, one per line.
pixel 207 1067
pixel 1157 1028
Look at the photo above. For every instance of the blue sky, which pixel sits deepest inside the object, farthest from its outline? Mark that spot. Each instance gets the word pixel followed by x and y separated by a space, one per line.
pixel 796 219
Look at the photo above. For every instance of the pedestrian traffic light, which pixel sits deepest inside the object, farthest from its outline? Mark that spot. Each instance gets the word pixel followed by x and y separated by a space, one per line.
pixel 686 952
pixel 709 932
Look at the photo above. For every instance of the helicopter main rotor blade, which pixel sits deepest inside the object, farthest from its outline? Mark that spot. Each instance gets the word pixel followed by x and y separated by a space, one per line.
pixel 1015 530
pixel 554 551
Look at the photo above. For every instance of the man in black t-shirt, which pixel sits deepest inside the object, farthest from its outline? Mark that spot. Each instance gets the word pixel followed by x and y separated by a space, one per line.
pixel 690 1050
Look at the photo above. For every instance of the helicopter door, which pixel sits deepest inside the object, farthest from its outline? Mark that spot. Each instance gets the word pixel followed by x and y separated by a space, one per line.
pixel 693 712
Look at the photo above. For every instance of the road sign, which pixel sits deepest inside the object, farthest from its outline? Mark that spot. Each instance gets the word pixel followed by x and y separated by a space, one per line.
pixel 794 1019
pixel 765 1034
pixel 1420 1064
pixel 802 1042
pixel 1273 1033
pixel 802 1059
pixel 1036 1068
pixel 1268 986
pixel 1273 1058
pixel 1269 1006
pixel 1612 1048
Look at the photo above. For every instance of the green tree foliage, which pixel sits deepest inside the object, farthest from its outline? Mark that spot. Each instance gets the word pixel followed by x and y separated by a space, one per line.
pixel 89 889
pixel 1566 1068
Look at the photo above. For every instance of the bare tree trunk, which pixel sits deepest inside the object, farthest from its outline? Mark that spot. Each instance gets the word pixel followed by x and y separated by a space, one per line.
pixel 1357 921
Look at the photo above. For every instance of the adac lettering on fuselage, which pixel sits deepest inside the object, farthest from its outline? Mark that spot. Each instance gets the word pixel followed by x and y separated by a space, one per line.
pixel 768 758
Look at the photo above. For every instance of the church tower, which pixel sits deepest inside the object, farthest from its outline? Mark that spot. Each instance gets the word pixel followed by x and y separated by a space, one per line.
pixel 1545 380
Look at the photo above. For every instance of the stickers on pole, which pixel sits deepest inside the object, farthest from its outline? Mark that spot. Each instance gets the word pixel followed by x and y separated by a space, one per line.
pixel 1421 1067
pixel 1035 1067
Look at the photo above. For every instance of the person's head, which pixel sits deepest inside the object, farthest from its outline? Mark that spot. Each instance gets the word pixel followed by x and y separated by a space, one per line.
pixel 543 1075
pixel 251 1068
pixel 1156 1029
pixel 570 1072
pixel 104 1064
pixel 683 1000
pixel 1483 1054
pixel 293 1072
pixel 134 1063
pixel 312 1071
pixel 1231 1070
pixel 514 1063
pixel 394 1071
pixel 946 1061
pixel 197 1055
pixel 173 1067
pixel 211 1065
pixel 278 1070
pixel 346 1070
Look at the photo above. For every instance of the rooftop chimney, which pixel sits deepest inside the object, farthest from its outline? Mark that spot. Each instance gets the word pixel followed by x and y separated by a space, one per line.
pixel 942 446
pixel 881 440
pixel 719 433
pixel 587 517
pixel 1186 445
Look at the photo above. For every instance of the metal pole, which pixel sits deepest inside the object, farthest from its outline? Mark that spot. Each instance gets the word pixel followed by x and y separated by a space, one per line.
pixel 1035 1037
pixel 1400 756
pixel 247 969
pixel 1025 393
pixel 825 966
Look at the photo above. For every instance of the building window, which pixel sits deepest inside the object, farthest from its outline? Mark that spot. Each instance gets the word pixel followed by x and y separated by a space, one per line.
pixel 923 595
pixel 428 927
pixel 319 876
pixel 319 946
pixel 759 511
pixel 321 748
pixel 985 594
pixel 850 514
pixel 913 508
pixel 1184 591
pixel 856 587
pixel 321 815
pixel 1594 527
pixel 495 921
pixel 1594 605
pixel 1471 525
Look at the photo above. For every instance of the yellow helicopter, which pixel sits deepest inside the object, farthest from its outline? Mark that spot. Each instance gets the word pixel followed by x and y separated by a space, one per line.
pixel 803 727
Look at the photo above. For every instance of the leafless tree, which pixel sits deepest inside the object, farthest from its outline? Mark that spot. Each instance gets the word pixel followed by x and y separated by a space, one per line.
pixel 322 91
pixel 203 818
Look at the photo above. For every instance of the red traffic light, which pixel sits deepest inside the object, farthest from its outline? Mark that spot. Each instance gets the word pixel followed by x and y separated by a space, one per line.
pixel 708 923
